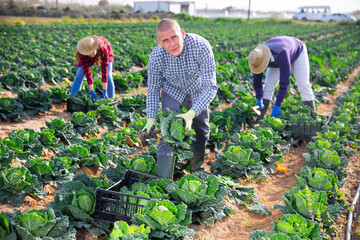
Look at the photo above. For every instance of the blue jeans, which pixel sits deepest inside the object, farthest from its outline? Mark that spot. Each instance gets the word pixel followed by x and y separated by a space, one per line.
pixel 80 77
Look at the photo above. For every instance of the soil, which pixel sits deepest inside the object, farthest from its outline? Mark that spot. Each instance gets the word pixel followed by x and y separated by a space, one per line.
pixel 243 222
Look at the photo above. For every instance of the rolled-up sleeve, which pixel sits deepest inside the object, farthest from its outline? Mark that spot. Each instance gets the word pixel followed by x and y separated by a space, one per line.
pixel 154 85
pixel 208 79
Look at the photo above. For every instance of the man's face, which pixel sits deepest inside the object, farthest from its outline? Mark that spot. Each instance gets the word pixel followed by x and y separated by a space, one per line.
pixel 172 40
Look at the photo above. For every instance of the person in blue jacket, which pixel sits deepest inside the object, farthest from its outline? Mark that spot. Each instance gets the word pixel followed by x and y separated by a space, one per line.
pixel 280 55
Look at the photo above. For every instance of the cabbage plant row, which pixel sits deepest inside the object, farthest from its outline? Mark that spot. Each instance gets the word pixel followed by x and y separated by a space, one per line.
pixel 316 202
pixel 194 198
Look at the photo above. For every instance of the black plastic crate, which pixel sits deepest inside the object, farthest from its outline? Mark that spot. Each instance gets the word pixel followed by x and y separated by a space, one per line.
pixel 305 130
pixel 71 106
pixel 112 205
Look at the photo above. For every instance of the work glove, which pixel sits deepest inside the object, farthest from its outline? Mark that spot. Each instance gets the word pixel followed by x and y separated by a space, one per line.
pixel 150 125
pixel 105 94
pixel 93 95
pixel 276 111
pixel 260 103
pixel 188 117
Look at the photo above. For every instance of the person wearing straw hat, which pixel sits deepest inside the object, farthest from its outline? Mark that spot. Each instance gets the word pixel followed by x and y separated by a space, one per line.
pixel 280 55
pixel 181 69
pixel 89 51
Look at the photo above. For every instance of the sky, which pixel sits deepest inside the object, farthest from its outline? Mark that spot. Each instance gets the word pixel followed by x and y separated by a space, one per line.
pixel 256 5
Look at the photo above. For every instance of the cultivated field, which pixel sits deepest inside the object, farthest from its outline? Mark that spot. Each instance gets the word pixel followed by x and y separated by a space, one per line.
pixel 261 178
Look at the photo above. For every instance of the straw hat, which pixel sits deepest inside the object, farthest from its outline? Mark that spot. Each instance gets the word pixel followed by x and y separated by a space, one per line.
pixel 88 45
pixel 259 59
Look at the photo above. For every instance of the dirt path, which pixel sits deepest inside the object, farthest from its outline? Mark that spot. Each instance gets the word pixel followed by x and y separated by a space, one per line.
pixel 341 88
pixel 351 184
pixel 243 222
pixel 35 122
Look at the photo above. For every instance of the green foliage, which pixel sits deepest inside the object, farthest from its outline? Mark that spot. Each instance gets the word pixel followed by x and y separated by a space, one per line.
pixel 327 159
pixel 127 81
pixel 76 199
pixel 261 235
pixel 175 136
pixel 239 194
pixel 277 124
pixel 132 104
pixel 52 171
pixel 264 141
pixel 12 82
pixel 217 138
pixel 80 154
pixel 310 204
pixel 42 224
pixel 110 117
pixel 165 219
pixel 47 137
pixel 136 122
pixel 16 183
pixel 50 75
pixel 203 195
pixel 64 131
pixel 144 190
pixel 59 94
pixel 26 143
pixel 6 229
pixel 144 164
pixel 295 225
pixel 6 155
pixel 238 161
pixel 85 122
pixel 122 231
pixel 226 120
pixel 319 179
pixel 35 101
pixel 10 109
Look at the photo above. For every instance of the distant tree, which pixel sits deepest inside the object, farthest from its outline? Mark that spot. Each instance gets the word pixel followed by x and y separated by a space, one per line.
pixel 128 8
pixel 103 3
pixel 11 4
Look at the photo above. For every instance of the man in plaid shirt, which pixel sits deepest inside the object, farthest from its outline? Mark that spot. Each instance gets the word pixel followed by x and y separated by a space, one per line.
pixel 94 50
pixel 183 67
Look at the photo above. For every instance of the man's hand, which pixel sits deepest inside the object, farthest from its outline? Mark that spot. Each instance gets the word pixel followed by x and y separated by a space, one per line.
pixel 93 95
pixel 150 125
pixel 260 103
pixel 188 117
pixel 105 94
pixel 276 111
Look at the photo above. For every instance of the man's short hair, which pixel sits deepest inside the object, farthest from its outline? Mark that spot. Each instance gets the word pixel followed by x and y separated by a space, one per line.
pixel 165 24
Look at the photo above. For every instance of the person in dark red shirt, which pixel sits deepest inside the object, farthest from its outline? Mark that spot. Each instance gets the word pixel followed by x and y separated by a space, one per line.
pixel 89 51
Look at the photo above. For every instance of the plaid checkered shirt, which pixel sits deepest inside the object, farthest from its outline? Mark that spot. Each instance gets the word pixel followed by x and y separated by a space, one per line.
pixel 193 73
pixel 107 56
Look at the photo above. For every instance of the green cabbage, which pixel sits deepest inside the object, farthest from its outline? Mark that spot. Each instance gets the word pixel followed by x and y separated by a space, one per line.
pixel 42 224
pixel 122 231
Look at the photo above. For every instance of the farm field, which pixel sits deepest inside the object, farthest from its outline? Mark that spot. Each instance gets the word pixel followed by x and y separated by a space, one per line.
pixel 46 153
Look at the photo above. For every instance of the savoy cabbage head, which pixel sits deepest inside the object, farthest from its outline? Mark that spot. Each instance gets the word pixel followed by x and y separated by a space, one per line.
pixel 165 219
pixel 42 224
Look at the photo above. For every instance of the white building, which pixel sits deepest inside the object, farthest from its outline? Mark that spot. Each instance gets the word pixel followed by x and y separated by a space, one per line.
pixel 174 6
